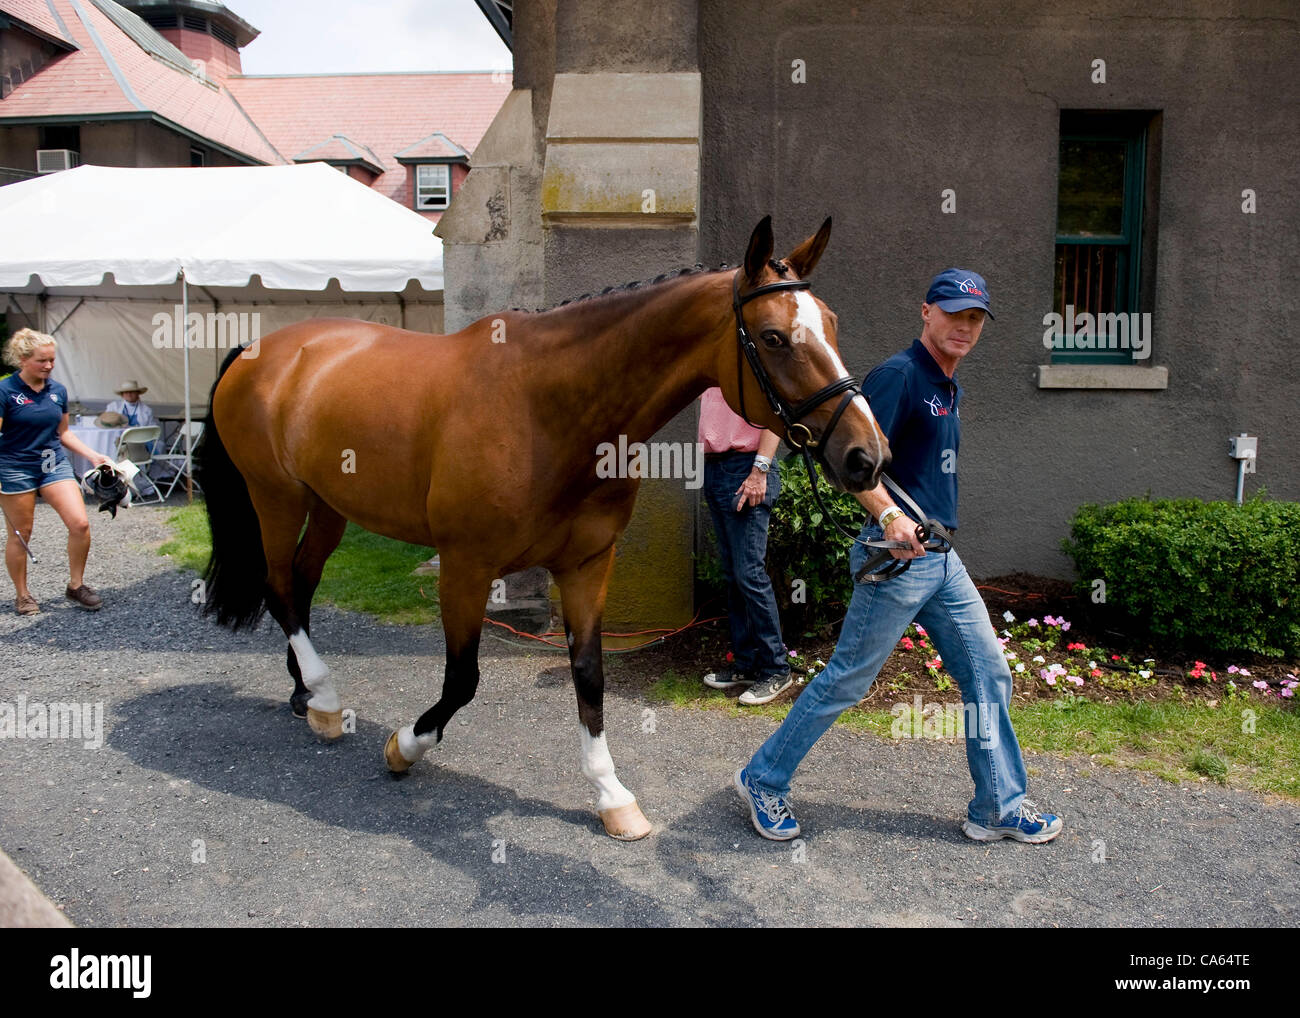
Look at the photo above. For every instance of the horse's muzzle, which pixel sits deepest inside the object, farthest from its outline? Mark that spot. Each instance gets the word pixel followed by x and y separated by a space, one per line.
pixel 860 472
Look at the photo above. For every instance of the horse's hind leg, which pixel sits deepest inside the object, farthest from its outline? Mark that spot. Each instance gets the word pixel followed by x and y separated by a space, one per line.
pixel 324 532
pixel 462 594
pixel 583 592
pixel 281 514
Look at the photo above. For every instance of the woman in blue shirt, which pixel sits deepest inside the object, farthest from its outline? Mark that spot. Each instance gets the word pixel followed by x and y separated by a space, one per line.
pixel 33 436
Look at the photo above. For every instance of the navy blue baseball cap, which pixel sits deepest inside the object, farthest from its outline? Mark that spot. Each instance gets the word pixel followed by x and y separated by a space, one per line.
pixel 959 289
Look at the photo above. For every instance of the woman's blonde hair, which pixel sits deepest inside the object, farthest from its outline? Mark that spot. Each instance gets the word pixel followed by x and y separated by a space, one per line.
pixel 25 342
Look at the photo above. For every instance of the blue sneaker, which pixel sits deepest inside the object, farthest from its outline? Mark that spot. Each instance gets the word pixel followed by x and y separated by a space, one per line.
pixel 770 813
pixel 1026 824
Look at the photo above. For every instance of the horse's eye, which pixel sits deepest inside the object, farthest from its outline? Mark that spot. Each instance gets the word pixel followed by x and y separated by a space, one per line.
pixel 772 339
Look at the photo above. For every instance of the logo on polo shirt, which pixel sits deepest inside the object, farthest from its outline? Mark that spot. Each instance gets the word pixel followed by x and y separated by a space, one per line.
pixel 54 397
pixel 937 409
pixel 20 399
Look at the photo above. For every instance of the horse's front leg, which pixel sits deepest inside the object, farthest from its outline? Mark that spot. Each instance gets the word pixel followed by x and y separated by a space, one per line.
pixel 463 588
pixel 583 592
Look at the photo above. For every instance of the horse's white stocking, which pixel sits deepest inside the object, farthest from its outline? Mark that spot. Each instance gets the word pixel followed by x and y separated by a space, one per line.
pixel 324 714
pixel 617 806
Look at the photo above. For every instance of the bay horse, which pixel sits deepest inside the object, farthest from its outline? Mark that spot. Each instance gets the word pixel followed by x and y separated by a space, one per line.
pixel 484 445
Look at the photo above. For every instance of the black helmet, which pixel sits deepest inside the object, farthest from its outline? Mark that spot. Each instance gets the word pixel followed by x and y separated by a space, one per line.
pixel 106 484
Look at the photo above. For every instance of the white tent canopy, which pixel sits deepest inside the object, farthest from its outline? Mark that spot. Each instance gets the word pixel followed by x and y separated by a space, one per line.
pixel 95 255
pixel 295 226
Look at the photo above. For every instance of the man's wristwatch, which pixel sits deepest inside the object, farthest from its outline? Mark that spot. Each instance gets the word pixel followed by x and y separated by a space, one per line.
pixel 762 464
pixel 889 515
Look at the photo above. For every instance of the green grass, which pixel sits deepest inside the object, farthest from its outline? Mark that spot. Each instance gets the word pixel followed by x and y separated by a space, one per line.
pixel 1174 741
pixel 367 573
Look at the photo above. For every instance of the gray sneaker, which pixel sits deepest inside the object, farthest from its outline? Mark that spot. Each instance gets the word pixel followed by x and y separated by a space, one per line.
pixel 727 677
pixel 767 689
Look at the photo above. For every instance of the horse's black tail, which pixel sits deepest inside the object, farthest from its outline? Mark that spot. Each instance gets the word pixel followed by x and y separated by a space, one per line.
pixel 235 577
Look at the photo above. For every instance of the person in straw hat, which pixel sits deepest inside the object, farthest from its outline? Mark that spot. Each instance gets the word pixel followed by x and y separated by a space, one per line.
pixel 137 412
pixel 33 436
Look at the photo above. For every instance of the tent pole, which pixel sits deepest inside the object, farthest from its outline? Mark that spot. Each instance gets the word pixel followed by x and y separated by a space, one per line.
pixel 189 435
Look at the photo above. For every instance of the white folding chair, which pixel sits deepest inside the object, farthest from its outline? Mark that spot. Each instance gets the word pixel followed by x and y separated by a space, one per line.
pixel 174 457
pixel 136 444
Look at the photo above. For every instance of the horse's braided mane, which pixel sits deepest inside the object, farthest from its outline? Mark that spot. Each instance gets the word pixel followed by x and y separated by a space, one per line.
pixel 693 270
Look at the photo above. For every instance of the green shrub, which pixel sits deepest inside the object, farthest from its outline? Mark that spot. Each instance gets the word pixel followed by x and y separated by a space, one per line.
pixel 1193 574
pixel 803 545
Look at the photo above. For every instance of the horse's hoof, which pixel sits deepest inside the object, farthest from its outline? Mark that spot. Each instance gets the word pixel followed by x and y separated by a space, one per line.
pixel 627 823
pixel 397 763
pixel 327 724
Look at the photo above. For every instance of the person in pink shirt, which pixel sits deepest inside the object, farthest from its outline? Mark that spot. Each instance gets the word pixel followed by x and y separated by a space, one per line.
pixel 741 486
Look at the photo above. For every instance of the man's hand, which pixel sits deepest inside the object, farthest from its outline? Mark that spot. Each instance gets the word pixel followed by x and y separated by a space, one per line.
pixel 904 529
pixel 752 490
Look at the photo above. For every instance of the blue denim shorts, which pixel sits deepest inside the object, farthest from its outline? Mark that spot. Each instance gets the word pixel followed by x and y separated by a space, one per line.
pixel 16 478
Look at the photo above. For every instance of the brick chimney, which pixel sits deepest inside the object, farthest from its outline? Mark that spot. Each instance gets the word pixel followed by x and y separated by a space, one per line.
pixel 201 29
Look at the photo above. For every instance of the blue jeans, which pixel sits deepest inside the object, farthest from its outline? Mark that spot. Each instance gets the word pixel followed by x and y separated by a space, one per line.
pixel 742 543
pixel 938 593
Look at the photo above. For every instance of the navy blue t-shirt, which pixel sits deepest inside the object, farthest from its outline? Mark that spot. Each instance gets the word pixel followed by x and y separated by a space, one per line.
pixel 916 406
pixel 31 420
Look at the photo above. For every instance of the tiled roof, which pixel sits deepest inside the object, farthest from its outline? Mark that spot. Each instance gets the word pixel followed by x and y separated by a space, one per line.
pixel 385 112
pixel 111 73
pixel 436 146
pixel 38 15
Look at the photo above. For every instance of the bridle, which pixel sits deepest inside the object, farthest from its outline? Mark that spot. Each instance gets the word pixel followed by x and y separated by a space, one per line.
pixel 931 534
pixel 789 415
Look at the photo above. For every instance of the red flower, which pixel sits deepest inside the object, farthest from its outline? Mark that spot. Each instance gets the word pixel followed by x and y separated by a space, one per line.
pixel 1114 657
pixel 906 643
pixel 730 657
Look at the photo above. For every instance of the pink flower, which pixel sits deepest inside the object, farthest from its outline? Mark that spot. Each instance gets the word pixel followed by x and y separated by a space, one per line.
pixel 1032 622
pixel 1077 646
pixel 1260 685
pixel 935 663
pixel 906 643
pixel 1095 673
pixel 1244 672
pixel 1075 679
pixel 1232 669
pixel 1051 680
pixel 1289 691
pixel 794 653
pixel 1065 627
pixel 920 630
pixel 1049 621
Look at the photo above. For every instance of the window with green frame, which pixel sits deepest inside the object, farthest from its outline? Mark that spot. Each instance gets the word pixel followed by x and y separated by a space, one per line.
pixel 1099 236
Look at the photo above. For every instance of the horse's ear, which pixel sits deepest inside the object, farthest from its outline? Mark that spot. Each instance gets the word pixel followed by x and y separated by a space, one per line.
pixel 803 258
pixel 760 249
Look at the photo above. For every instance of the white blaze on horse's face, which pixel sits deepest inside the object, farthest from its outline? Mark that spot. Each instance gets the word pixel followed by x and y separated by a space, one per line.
pixel 810 320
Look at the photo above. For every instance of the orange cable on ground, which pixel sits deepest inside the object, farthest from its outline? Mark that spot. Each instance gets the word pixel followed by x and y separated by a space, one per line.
pixel 697 621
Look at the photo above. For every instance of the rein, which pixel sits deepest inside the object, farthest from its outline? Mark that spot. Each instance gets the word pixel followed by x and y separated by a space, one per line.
pixel 880 566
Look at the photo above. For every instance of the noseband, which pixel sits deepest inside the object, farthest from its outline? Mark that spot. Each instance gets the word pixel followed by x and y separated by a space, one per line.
pixel 881 565
pixel 798 435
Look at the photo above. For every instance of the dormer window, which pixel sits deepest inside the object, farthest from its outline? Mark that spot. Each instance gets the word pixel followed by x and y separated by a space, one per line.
pixel 432 186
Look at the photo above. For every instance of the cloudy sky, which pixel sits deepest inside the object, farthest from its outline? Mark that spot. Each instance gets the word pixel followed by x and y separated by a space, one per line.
pixel 317 36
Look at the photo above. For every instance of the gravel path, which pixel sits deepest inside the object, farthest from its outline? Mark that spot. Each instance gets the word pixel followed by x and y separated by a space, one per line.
pixel 208 804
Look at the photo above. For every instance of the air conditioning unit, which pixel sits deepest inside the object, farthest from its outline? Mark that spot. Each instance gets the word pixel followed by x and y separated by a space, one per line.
pixel 51 160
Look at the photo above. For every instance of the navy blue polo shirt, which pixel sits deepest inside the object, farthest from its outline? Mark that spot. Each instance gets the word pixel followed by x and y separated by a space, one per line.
pixel 31 420
pixel 916 406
